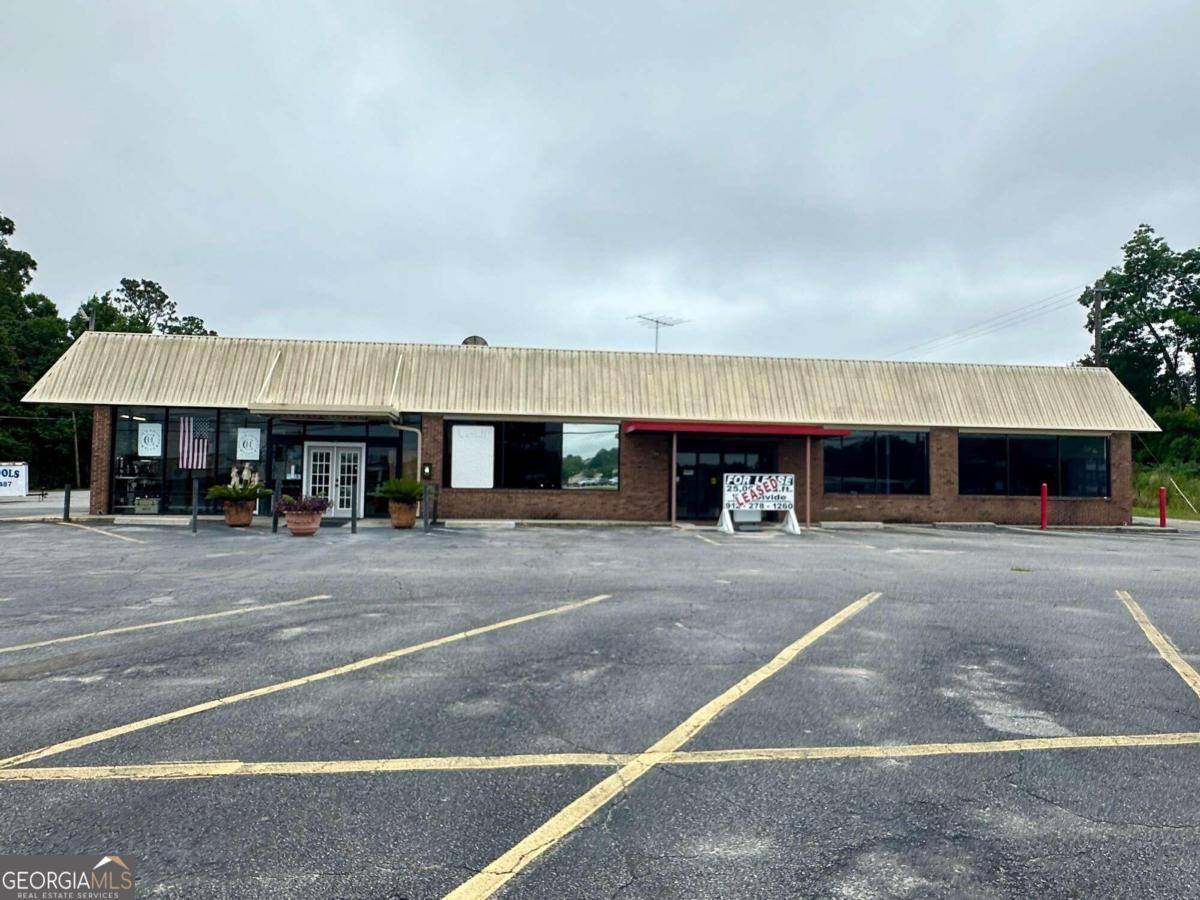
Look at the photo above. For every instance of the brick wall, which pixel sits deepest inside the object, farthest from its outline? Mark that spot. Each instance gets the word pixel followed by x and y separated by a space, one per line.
pixel 943 504
pixel 643 496
pixel 791 459
pixel 102 459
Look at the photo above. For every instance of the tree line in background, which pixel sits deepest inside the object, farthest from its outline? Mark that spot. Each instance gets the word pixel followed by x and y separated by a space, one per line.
pixel 56 442
pixel 1150 339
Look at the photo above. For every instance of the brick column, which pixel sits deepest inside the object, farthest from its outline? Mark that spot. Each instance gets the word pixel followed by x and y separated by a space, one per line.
pixel 102 459
pixel 1120 474
pixel 943 476
pixel 431 445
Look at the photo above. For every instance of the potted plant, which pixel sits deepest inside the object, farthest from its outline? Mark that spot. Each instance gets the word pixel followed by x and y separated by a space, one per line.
pixel 402 495
pixel 302 514
pixel 240 496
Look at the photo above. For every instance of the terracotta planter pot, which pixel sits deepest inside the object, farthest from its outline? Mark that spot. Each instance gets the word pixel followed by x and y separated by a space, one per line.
pixel 303 524
pixel 404 515
pixel 239 513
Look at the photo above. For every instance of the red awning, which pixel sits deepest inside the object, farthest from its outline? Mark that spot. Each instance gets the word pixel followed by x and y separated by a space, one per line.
pixel 632 425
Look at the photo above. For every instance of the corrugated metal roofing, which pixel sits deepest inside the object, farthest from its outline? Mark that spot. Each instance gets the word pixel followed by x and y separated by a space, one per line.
pixel 329 377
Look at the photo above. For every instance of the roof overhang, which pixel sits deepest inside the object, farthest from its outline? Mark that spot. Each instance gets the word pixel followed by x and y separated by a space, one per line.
pixel 633 425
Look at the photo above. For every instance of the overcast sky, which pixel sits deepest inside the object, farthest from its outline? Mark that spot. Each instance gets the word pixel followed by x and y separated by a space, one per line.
pixel 830 179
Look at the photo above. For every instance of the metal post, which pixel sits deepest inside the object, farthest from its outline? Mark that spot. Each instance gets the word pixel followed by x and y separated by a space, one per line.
pixel 275 505
pixel 425 505
pixel 66 503
pixel 1162 507
pixel 195 502
pixel 354 508
pixel 1045 504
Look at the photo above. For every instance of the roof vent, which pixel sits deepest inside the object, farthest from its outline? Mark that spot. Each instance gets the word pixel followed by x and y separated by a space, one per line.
pixel 475 341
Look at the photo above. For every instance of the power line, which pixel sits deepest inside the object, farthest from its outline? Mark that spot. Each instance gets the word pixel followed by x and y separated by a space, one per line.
pixel 1015 316
pixel 965 338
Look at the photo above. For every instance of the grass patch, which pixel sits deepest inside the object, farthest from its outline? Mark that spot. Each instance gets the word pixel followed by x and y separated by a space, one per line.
pixel 1019 569
pixel 1145 490
pixel 1173 512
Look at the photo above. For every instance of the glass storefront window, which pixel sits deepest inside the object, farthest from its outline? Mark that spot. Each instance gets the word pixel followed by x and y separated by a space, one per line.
pixel 287 465
pixel 190 452
pixel 591 455
pixel 139 442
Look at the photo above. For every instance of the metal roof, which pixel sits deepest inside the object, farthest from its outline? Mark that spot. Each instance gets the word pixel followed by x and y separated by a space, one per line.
pixel 344 377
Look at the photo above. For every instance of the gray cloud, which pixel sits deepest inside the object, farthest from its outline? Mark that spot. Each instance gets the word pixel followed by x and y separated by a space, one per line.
pixel 825 179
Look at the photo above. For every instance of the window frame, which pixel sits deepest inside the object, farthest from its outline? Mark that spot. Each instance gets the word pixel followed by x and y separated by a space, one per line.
pixel 877 477
pixel 500 457
pixel 1055 488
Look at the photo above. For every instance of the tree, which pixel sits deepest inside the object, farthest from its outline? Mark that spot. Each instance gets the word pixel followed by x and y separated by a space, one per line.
pixel 32 337
pixel 139 306
pixel 99 313
pixel 1150 319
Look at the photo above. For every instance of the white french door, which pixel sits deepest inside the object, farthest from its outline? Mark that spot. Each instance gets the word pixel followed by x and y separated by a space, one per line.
pixel 335 471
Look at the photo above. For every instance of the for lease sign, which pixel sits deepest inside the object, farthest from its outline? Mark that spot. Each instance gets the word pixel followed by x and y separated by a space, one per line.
pixel 765 492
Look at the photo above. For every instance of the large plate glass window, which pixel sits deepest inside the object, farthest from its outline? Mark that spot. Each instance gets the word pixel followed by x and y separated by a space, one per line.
pixel 877 462
pixel 191 452
pixel 1018 465
pixel 590 456
pixel 139 439
pixel 533 455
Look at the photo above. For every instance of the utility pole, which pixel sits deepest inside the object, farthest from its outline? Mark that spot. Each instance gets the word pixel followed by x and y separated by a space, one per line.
pixel 1098 325
pixel 657 322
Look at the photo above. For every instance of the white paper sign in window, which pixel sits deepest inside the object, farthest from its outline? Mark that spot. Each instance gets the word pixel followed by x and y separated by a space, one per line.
pixel 149 438
pixel 472 456
pixel 249 443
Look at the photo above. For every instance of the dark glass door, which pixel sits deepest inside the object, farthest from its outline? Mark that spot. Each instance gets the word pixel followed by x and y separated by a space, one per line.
pixel 701 465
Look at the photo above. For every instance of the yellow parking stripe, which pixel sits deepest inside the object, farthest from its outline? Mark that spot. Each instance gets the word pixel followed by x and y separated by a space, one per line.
pixel 497 874
pixel 896 751
pixel 1162 643
pixel 220 768
pixel 198 618
pixel 233 767
pixel 356 666
pixel 119 537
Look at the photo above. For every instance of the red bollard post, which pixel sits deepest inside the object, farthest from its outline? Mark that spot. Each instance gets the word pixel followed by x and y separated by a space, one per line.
pixel 1162 507
pixel 1045 504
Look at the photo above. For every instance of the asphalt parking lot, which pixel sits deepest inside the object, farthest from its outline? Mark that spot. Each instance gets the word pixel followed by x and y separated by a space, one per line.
pixel 604 712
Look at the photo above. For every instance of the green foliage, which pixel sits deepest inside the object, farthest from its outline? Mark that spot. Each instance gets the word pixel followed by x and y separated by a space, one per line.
pixel 1177 444
pixel 235 492
pixel 602 465
pixel 1147 480
pixel 138 305
pixel 1150 318
pixel 402 490
pixel 33 336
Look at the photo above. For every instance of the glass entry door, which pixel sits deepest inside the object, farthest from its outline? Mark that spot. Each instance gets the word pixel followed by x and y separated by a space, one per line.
pixel 335 471
pixel 700 466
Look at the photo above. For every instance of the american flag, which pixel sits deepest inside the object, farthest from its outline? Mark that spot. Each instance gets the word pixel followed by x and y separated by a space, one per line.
pixel 195 435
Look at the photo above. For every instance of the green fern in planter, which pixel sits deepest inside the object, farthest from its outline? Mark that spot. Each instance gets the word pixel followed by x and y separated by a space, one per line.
pixel 402 490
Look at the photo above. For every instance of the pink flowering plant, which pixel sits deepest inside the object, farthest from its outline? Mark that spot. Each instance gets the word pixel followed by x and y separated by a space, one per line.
pixel 288 504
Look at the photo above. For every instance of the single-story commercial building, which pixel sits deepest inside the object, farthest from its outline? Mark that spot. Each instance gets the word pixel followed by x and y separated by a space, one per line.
pixel 521 433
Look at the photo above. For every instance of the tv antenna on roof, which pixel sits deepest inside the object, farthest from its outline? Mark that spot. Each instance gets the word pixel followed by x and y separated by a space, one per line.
pixel 657 322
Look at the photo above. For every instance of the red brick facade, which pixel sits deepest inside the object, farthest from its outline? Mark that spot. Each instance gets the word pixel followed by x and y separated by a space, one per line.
pixel 645 489
pixel 102 459
pixel 644 494
pixel 944 504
